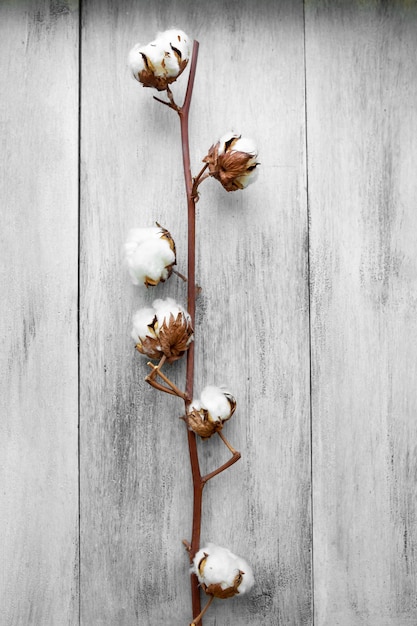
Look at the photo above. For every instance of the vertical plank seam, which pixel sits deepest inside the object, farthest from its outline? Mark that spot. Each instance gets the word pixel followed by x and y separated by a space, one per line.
pixel 79 303
pixel 309 315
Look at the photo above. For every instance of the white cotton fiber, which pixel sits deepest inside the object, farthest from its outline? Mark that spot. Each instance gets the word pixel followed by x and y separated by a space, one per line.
pixel 214 400
pixel 149 255
pixel 220 567
pixel 141 320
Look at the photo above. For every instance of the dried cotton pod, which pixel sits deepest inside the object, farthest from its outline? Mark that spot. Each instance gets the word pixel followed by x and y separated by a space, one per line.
pixel 150 255
pixel 208 413
pixel 232 161
pixel 161 61
pixel 162 330
pixel 221 573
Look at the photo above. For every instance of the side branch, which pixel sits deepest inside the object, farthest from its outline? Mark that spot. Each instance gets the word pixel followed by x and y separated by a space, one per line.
pixel 235 457
pixel 173 389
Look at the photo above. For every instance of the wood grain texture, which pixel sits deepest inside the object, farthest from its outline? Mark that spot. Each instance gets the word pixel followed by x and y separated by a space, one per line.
pixel 252 326
pixel 252 322
pixel 38 320
pixel 362 125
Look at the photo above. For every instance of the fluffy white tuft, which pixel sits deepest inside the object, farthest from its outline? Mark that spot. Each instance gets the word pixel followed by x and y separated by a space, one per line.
pixel 165 54
pixel 245 145
pixel 165 308
pixel 221 567
pixel 214 400
pixel 242 144
pixel 135 60
pixel 147 255
pixel 196 404
pixel 162 309
pixel 248 178
pixel 141 320
pixel 224 139
pixel 177 39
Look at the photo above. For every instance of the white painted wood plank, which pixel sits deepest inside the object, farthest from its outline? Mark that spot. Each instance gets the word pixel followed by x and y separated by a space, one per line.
pixel 38 320
pixel 362 126
pixel 252 322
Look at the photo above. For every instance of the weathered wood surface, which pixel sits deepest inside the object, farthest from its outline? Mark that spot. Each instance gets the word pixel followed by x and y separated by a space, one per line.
pixel 253 314
pixel 362 129
pixel 252 321
pixel 38 320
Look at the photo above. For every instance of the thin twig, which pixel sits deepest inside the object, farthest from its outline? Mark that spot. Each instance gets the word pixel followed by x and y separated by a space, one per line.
pixel 198 618
pixel 153 383
pixel 158 372
pixel 171 99
pixel 221 469
pixel 184 278
pixel 226 443
pixel 235 457
pixel 168 104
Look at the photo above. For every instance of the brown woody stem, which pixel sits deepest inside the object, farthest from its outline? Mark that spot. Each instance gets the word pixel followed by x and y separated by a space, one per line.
pixel 198 484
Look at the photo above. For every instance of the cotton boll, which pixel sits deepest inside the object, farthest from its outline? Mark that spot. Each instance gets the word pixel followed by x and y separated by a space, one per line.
pixel 148 263
pixel 150 255
pixel 161 61
pixel 216 402
pixel 219 567
pixel 222 573
pixel 162 331
pixel 207 414
pixel 232 161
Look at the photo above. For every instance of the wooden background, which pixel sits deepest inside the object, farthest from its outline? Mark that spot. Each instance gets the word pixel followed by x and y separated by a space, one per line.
pixel 308 312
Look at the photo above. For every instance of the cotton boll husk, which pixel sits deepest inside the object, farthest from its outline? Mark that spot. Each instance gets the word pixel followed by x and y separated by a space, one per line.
pixel 141 321
pixel 135 60
pixel 215 402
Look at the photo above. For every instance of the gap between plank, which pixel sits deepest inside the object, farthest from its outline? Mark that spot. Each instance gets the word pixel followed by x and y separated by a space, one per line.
pixel 309 314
